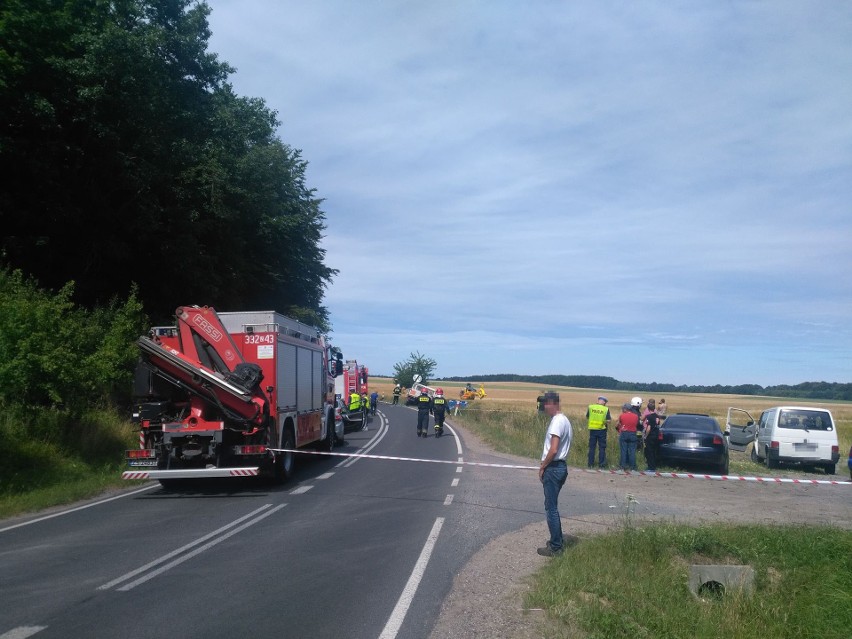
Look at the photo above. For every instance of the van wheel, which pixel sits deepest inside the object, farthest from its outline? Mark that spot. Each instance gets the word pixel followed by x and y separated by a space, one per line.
pixel 771 463
pixel 830 469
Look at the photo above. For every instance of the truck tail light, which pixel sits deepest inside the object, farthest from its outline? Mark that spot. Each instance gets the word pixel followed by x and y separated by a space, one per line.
pixel 141 453
pixel 256 449
pixel 774 445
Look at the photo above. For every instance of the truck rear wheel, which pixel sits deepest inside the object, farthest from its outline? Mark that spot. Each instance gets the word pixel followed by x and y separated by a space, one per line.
pixel 287 461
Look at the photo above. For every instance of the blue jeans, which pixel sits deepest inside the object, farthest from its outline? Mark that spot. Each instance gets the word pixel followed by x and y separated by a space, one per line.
pixel 597 436
pixel 553 479
pixel 627 441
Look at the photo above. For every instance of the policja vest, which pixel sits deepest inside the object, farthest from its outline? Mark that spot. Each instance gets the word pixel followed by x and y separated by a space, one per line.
pixel 597 416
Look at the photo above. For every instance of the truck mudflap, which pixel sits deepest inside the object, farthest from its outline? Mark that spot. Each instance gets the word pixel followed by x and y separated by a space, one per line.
pixel 192 473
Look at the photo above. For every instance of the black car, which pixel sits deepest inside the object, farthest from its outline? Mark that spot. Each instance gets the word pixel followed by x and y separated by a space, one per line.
pixel 687 438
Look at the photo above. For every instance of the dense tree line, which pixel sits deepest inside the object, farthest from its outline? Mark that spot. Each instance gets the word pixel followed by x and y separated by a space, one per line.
pixel 127 158
pixel 806 390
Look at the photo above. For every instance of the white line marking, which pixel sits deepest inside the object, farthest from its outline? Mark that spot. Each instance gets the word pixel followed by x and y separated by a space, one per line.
pixel 73 510
pixel 370 445
pixel 455 482
pixel 448 500
pixel 22 632
pixel 461 460
pixel 300 490
pixel 174 553
pixel 394 623
pixel 325 476
pixel 459 469
pixel 456 436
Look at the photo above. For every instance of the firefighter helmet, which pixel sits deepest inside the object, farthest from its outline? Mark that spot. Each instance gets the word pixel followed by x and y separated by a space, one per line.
pixel 636 402
pixel 439 392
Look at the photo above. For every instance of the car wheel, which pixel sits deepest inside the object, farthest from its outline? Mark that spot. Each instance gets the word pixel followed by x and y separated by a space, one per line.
pixel 724 467
pixel 830 468
pixel 328 444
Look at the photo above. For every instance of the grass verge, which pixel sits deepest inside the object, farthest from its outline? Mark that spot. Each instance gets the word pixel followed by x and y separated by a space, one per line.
pixel 49 458
pixel 634 583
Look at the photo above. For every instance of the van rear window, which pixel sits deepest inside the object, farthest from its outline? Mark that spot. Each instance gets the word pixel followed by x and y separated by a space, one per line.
pixel 805 420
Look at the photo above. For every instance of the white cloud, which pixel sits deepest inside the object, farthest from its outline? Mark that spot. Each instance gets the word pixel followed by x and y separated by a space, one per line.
pixel 675 177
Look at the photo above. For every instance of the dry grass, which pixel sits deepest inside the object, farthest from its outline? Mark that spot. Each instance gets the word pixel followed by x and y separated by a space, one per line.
pixel 521 396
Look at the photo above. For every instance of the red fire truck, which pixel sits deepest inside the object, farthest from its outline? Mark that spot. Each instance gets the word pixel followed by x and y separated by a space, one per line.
pixel 355 379
pixel 217 393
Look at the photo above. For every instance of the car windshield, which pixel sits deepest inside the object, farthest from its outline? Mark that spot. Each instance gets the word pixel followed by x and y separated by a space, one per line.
pixel 691 423
pixel 801 419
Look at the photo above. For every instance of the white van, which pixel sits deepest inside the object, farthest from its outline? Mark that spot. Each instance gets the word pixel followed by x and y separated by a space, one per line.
pixel 800 434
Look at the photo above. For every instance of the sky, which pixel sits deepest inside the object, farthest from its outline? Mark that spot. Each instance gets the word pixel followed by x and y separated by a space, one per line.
pixel 652 191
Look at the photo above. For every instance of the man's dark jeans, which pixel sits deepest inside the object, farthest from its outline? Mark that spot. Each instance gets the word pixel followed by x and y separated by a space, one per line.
pixel 597 436
pixel 552 480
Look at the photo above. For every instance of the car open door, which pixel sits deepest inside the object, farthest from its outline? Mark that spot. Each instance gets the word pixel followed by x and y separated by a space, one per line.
pixel 740 426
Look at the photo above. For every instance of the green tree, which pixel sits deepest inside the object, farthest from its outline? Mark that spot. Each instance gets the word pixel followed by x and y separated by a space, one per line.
pixel 416 364
pixel 148 167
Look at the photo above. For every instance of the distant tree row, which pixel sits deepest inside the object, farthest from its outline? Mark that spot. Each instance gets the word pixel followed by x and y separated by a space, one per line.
pixel 127 158
pixel 805 390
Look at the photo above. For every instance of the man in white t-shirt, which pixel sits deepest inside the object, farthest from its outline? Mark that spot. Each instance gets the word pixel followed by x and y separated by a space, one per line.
pixel 553 470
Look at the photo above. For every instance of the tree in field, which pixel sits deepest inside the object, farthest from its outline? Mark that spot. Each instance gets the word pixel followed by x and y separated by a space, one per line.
pixel 127 157
pixel 416 364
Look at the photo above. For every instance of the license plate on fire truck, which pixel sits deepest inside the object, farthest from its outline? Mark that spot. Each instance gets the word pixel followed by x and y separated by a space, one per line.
pixel 142 463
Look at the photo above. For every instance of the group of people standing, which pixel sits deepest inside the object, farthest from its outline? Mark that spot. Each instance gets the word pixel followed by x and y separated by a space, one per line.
pixel 634 426
pixel 638 429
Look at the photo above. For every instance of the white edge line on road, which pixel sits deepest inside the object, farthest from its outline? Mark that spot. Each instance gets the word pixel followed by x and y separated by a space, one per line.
pixel 458 440
pixel 455 482
pixel 22 632
pixel 448 500
pixel 394 623
pixel 300 490
pixel 198 551
pixel 73 510
pixel 174 553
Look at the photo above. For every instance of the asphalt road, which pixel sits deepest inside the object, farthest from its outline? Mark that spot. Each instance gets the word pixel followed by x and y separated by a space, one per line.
pixel 349 548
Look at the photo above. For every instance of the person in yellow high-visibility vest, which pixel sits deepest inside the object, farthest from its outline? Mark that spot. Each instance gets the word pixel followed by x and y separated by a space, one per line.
pixel 598 419
pixel 354 402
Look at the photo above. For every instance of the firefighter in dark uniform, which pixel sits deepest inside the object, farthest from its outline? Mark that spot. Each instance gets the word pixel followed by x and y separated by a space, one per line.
pixel 424 409
pixel 396 391
pixel 439 407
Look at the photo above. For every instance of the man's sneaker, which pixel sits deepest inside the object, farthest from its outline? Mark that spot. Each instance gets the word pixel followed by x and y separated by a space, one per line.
pixel 419 432
pixel 547 551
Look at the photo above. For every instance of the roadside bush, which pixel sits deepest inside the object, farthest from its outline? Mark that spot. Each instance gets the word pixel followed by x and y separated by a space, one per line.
pixel 53 354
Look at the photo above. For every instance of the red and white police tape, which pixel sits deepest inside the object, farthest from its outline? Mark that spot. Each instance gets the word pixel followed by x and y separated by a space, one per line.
pixel 636 473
